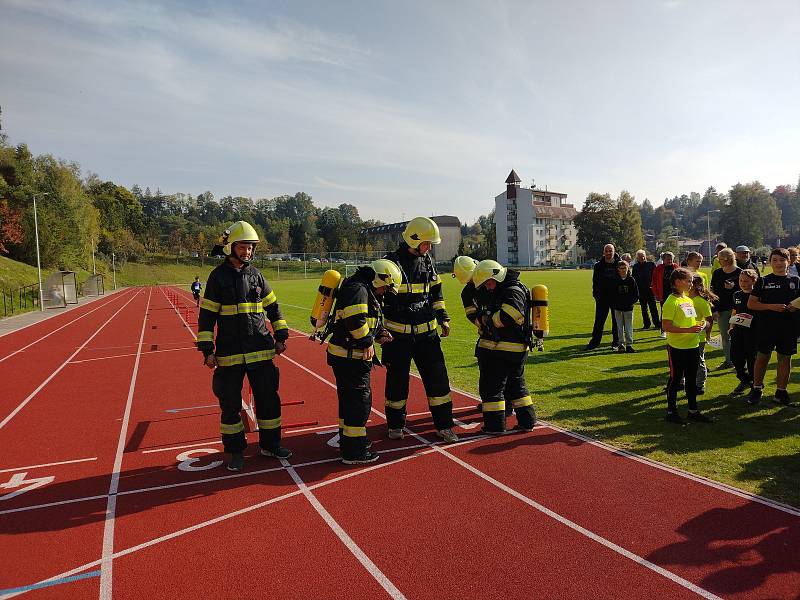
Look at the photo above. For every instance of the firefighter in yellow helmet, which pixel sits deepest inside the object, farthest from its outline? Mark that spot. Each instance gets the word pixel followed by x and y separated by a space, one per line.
pixel 463 268
pixel 357 326
pixel 239 302
pixel 413 316
pixel 502 348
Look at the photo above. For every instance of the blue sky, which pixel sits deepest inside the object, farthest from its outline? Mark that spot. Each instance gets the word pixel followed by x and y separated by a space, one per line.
pixel 405 108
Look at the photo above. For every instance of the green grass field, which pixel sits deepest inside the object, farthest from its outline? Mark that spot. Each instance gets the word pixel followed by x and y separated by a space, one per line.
pixel 618 398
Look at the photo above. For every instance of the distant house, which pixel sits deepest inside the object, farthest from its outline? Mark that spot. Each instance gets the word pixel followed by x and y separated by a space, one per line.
pixel 534 227
pixel 387 237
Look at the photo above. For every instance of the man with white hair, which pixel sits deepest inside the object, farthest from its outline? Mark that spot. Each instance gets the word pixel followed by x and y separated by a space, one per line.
pixel 603 288
pixel 643 274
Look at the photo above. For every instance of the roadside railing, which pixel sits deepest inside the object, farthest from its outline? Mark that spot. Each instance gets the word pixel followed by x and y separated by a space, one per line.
pixel 20 299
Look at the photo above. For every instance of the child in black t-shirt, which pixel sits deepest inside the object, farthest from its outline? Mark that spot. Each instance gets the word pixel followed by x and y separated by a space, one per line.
pixel 743 332
pixel 626 294
pixel 772 297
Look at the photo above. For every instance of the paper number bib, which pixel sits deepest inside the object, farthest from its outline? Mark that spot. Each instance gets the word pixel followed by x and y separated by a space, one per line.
pixel 688 309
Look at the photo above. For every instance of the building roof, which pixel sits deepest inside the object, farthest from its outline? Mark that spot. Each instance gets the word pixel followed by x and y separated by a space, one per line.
pixel 513 177
pixel 441 221
pixel 554 212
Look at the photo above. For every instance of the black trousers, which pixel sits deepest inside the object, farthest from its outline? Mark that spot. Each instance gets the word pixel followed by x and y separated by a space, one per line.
pixel 682 364
pixel 355 401
pixel 601 309
pixel 426 352
pixel 743 355
pixel 502 382
pixel 648 300
pixel 227 386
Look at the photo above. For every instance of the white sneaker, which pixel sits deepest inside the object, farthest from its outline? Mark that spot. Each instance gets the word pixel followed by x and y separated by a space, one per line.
pixel 663 335
pixel 448 435
pixel 396 434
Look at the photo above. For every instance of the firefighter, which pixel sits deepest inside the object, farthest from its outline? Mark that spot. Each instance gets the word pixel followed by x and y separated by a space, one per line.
pixel 463 267
pixel 413 316
pixel 235 300
pixel 502 348
pixel 358 324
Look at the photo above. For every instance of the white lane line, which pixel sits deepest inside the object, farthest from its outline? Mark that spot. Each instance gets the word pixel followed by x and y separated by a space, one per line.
pixel 22 404
pixel 52 464
pixel 75 362
pixel 541 508
pixel 106 569
pixel 249 410
pixel 349 543
pixel 110 300
pixel 224 517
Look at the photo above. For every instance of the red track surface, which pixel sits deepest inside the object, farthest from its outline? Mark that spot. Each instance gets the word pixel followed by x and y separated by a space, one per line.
pixel 115 393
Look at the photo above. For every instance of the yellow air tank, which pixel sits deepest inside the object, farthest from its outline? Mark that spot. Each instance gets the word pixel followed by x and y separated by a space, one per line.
pixel 540 317
pixel 325 296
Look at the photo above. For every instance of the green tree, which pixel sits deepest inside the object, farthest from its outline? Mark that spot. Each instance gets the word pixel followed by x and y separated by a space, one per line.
pixel 786 200
pixel 629 236
pixel 597 223
pixel 752 217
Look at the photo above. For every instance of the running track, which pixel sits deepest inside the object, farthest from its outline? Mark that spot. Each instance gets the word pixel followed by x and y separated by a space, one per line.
pixel 110 486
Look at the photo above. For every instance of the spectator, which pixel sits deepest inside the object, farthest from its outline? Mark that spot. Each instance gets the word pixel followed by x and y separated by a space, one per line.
pixel 622 303
pixel 743 260
pixel 660 282
pixel 643 275
pixel 627 258
pixel 743 332
pixel 793 253
pixel 724 283
pixel 772 296
pixel 679 321
pixel 715 263
pixel 603 287
pixel 693 262
pixel 702 299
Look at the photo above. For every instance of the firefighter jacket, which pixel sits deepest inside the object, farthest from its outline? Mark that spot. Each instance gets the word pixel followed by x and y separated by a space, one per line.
pixel 358 317
pixel 235 301
pixel 418 307
pixel 503 312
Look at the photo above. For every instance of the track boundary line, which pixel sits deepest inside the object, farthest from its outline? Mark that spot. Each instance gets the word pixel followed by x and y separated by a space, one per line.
pixel 14 412
pixel 52 464
pixel 107 566
pixel 554 515
pixel 96 308
pixel 349 543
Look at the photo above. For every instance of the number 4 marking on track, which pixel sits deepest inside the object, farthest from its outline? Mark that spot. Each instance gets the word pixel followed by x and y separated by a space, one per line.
pixel 18 479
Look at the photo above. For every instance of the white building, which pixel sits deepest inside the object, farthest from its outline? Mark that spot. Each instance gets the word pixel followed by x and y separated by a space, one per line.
pixel 387 237
pixel 534 227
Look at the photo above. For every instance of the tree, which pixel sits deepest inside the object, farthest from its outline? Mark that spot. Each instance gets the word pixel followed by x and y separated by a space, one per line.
pixel 597 223
pixel 646 213
pixel 10 226
pixel 787 201
pixel 629 237
pixel 752 217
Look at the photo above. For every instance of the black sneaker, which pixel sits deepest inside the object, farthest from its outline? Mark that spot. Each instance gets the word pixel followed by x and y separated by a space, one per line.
pixel 700 391
pixel 725 365
pixel 740 389
pixel 367 457
pixel 755 396
pixel 279 452
pixel 674 417
pixel 782 397
pixel 236 463
pixel 699 417
pixel 519 427
pixel 614 346
pixel 630 350
pixel 621 349
pixel 590 347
